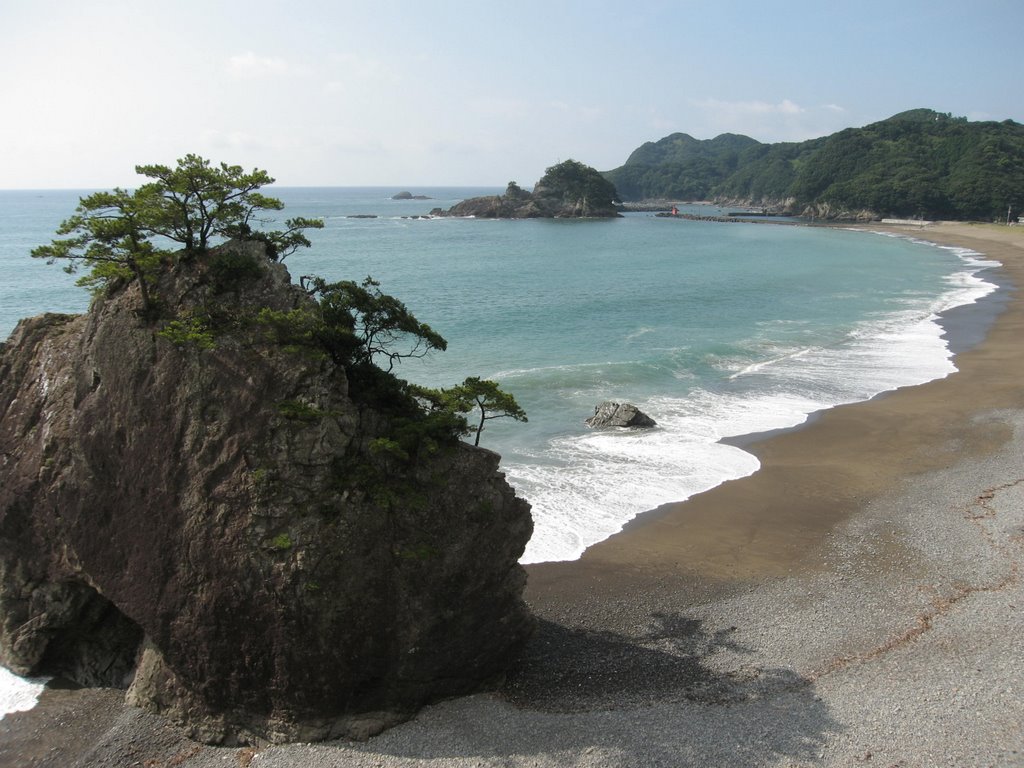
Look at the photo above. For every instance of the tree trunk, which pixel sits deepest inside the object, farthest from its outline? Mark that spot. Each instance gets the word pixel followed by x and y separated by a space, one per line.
pixel 480 426
pixel 143 288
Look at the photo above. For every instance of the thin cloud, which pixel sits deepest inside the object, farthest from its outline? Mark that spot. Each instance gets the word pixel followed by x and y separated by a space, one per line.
pixel 349 66
pixel 248 65
pixel 784 120
pixel 582 112
pixel 505 108
pixel 231 140
pixel 747 108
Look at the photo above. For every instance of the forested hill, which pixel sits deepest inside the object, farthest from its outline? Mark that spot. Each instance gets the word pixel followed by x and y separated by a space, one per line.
pixel 917 163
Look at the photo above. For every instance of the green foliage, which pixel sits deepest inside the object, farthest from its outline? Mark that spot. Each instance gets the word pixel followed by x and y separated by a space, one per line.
pixel 385 446
pixel 916 163
pixel 196 202
pixel 296 330
pixel 113 234
pixel 572 181
pixel 108 237
pixel 282 542
pixel 191 331
pixel 280 244
pixel 474 394
pixel 428 432
pixel 679 167
pixel 229 268
pixel 296 410
pixel 356 326
pixel 361 325
pixel 920 163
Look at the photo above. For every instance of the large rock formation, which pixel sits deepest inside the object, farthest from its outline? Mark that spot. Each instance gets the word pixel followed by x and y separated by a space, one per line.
pixel 567 190
pixel 612 414
pixel 218 529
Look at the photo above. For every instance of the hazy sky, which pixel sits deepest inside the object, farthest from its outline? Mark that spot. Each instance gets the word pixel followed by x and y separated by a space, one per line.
pixel 468 93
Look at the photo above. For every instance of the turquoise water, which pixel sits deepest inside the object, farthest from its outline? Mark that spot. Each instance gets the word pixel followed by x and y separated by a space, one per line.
pixel 715 330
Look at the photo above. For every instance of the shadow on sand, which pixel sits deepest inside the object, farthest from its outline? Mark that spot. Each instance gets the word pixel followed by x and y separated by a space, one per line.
pixel 569 669
pixel 672 695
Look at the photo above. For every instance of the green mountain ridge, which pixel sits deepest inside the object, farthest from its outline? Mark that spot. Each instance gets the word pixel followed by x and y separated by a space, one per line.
pixel 918 163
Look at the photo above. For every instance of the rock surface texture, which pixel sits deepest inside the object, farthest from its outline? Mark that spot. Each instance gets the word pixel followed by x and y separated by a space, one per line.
pixel 212 528
pixel 611 414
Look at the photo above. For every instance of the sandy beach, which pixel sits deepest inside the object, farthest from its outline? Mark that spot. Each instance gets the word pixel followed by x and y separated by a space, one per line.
pixel 857 601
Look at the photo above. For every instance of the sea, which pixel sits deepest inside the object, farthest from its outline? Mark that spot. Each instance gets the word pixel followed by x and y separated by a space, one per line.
pixel 715 330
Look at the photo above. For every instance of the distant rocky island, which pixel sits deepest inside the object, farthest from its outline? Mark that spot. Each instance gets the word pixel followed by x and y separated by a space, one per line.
pixel 405 195
pixel 568 190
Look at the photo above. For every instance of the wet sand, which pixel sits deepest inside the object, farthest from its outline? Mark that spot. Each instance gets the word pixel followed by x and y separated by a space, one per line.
pixel 814 477
pixel 856 601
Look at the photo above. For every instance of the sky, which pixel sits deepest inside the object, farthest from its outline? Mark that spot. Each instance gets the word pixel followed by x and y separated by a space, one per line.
pixel 468 93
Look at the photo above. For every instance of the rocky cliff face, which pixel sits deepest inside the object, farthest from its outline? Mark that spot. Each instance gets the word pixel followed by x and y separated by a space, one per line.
pixel 828 212
pixel 213 528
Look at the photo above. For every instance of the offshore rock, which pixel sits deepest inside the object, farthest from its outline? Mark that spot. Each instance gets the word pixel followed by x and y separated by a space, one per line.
pixel 568 190
pixel 212 527
pixel 611 414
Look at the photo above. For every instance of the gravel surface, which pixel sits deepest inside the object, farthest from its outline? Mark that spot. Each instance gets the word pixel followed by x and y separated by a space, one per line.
pixel 904 650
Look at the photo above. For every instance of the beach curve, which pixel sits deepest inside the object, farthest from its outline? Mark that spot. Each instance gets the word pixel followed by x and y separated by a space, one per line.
pixel 857 599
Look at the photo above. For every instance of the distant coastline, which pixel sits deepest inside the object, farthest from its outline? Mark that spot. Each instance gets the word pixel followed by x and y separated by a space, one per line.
pixel 916 164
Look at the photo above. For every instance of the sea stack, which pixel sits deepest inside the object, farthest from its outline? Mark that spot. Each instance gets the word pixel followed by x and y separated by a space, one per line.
pixel 227 532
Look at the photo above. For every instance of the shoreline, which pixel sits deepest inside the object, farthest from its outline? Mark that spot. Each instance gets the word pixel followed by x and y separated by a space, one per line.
pixel 856 600
pixel 963 327
pixel 778 389
pixel 720 535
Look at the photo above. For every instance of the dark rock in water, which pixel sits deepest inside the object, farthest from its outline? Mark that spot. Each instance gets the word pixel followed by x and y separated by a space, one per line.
pixel 609 414
pixel 216 528
pixel 409 196
pixel 362 216
pixel 567 190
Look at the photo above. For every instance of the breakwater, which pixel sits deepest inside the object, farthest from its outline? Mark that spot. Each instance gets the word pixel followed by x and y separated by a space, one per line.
pixel 727 219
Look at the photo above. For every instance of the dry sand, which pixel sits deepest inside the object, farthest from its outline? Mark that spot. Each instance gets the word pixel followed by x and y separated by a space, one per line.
pixel 857 601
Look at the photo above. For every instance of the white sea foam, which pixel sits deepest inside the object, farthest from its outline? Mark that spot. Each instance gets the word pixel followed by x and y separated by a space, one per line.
pixel 602 476
pixel 755 367
pixel 638 333
pixel 18 694
pixel 588 486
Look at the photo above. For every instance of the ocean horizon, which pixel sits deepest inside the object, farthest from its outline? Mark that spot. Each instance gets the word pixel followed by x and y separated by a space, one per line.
pixel 715 330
